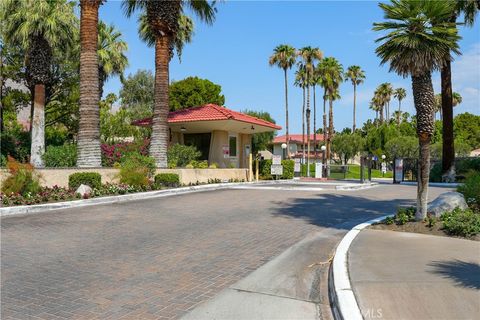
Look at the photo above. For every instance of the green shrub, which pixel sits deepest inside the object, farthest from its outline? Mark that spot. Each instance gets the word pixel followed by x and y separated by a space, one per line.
pixel 91 179
pixel 471 191
pixel 61 156
pixel 198 164
pixel 213 165
pixel 22 179
pixel 179 155
pixel 264 169
pixel 3 161
pixel 136 169
pixel 405 215
pixel 436 173
pixel 167 180
pixel 303 170
pixel 465 223
pixel 389 220
pixel 288 166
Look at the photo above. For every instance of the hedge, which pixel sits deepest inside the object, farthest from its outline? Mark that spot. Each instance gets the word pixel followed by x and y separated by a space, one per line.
pixel 91 179
pixel 167 179
pixel 288 167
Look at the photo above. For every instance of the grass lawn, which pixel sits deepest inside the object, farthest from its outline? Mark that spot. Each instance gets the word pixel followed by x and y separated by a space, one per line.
pixel 336 172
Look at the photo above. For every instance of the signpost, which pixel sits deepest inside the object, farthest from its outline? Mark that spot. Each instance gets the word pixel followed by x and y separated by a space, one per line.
pixel 398 172
pixel 297 167
pixel 276 169
pixel 384 168
pixel 318 170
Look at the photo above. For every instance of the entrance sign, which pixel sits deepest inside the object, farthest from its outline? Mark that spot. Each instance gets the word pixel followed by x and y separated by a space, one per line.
pixel 296 166
pixel 318 170
pixel 226 151
pixel 398 170
pixel 384 167
pixel 276 169
pixel 276 159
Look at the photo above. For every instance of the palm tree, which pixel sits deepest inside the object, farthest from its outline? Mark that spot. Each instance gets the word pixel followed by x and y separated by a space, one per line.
pixel 456 99
pixel 399 94
pixel 469 9
pixel 40 27
pixel 284 57
pixel 111 54
pixel 301 82
pixel 332 76
pixel 376 105
pixel 309 56
pixel 417 42
pixel 163 19
pixel 386 91
pixel 356 76
pixel 88 140
pixel 321 73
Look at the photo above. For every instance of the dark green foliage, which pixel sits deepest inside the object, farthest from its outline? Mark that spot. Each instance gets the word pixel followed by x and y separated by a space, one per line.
pixel 196 164
pixel 167 180
pixel 91 179
pixel 431 220
pixel 405 215
pixel 193 91
pixel 136 169
pixel 179 155
pixel 16 143
pixel 303 169
pixel 61 156
pixel 347 145
pixel 467 128
pixel 465 223
pixel 22 180
pixel 389 220
pixel 471 191
pixel 463 167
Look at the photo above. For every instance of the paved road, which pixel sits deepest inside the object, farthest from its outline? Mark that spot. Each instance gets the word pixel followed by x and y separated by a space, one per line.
pixel 159 258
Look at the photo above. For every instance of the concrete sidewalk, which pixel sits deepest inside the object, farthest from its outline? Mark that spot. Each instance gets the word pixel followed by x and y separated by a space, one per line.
pixel 399 275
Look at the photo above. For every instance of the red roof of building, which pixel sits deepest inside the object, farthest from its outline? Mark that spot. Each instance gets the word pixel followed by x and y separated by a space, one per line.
pixel 296 138
pixel 208 112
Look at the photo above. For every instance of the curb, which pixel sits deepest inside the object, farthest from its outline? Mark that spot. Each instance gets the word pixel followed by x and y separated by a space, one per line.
pixel 357 187
pixel 344 303
pixel 433 184
pixel 28 209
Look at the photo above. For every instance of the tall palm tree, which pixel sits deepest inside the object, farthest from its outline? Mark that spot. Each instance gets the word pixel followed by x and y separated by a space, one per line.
pixel 284 57
pixel 386 91
pixel 88 140
pixel 163 17
pixel 301 82
pixel 332 76
pixel 417 42
pixel 456 99
pixel 111 54
pixel 399 94
pixel 376 105
pixel 40 27
pixel 309 56
pixel 356 75
pixel 468 9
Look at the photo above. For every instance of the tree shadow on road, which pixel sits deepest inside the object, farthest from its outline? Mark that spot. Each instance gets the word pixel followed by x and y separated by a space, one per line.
pixel 338 210
pixel 465 274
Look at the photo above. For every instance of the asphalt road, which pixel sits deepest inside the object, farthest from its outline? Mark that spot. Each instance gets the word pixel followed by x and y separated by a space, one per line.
pixel 159 258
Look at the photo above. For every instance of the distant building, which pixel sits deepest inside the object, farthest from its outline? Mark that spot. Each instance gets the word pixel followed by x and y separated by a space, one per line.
pixel 296 145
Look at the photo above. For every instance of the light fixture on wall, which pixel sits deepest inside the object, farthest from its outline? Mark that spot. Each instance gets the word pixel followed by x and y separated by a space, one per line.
pixel 183 129
pixel 253 128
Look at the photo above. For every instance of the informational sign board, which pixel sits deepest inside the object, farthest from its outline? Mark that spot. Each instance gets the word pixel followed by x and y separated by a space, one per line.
pixel 226 151
pixel 384 167
pixel 276 159
pixel 318 170
pixel 296 166
pixel 276 169
pixel 398 170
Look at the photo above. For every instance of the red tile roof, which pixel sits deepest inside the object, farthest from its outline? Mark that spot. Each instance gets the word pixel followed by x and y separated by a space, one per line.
pixel 296 138
pixel 208 112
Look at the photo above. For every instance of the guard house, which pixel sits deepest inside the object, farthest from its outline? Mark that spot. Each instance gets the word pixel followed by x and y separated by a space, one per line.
pixel 223 136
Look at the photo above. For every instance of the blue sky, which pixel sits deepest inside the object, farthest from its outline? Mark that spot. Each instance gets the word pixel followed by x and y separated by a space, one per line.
pixel 234 53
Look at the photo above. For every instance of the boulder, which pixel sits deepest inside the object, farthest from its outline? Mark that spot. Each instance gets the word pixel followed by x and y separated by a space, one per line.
pixel 446 202
pixel 84 190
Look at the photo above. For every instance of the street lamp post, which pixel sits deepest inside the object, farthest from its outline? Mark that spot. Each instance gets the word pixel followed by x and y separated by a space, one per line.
pixel 284 148
pixel 384 165
pixel 323 148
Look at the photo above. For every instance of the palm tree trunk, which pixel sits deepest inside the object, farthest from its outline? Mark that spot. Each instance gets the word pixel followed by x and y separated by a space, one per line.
pixel 286 115
pixel 446 114
pixel 424 104
pixel 308 131
pixel 38 127
pixel 399 111
pixel 324 122
pixel 330 129
pixel 381 114
pixel 88 143
pixel 159 140
pixel 314 124
pixel 303 127
pixel 354 105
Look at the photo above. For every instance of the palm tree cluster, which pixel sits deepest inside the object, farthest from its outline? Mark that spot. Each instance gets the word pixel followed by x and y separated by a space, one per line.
pixel 380 102
pixel 314 70
pixel 41 27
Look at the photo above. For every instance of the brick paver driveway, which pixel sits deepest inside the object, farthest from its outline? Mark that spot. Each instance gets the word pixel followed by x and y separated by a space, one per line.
pixel 159 258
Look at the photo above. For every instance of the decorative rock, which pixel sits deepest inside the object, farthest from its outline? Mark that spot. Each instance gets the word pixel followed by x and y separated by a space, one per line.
pixel 446 202
pixel 84 190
